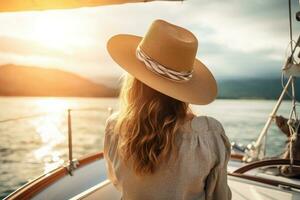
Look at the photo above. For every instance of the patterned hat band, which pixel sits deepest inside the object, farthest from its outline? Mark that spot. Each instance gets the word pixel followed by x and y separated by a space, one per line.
pixel 159 69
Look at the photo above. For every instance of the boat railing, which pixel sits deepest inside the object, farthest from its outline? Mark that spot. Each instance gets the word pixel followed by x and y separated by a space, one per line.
pixel 72 163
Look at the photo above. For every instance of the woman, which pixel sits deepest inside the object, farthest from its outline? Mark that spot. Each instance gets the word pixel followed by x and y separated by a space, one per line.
pixel 155 147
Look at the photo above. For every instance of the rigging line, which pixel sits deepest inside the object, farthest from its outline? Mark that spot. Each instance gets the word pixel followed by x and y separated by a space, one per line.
pixel 24 117
pixel 290 20
pixel 109 109
pixel 294 98
pixel 286 49
pixel 287 92
pixel 292 131
pixel 283 86
pixel 91 109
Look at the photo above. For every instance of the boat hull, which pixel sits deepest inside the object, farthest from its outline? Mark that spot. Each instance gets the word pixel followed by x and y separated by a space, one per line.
pixel 89 181
pixel 59 184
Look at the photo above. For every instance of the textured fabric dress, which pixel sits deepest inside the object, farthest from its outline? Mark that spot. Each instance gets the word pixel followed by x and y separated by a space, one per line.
pixel 199 171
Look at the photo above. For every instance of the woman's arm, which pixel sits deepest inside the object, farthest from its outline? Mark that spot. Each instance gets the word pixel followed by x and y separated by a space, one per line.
pixel 109 151
pixel 216 183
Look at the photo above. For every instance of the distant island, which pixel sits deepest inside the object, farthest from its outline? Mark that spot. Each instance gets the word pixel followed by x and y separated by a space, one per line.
pixel 253 88
pixel 35 81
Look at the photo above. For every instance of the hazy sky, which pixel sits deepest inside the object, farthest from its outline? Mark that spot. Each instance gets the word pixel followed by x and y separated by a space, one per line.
pixel 237 38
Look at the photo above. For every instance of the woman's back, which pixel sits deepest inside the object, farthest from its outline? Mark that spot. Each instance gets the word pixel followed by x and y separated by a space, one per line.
pixel 197 171
pixel 152 147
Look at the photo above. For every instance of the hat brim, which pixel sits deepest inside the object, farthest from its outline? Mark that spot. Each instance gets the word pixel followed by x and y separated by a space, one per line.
pixel 200 89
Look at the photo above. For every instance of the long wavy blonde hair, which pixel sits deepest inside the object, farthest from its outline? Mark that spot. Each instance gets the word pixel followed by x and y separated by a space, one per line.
pixel 147 124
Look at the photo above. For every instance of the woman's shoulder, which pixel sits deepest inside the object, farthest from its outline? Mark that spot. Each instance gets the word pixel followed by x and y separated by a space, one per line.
pixel 110 122
pixel 206 123
pixel 214 129
pixel 109 137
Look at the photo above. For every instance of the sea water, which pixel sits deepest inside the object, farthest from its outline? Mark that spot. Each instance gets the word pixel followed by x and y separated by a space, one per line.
pixel 33 131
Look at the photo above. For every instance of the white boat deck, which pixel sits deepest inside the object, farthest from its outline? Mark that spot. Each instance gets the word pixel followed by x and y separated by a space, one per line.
pixel 90 182
pixel 241 190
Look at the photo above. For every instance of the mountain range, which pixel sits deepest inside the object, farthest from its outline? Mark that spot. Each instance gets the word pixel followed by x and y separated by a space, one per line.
pixel 35 81
pixel 254 88
pixel 18 80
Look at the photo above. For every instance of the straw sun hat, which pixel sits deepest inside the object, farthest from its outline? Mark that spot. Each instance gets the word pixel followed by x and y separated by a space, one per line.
pixel 165 60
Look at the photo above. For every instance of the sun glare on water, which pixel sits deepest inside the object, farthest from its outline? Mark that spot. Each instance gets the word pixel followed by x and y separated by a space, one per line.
pixel 52 105
pixel 49 129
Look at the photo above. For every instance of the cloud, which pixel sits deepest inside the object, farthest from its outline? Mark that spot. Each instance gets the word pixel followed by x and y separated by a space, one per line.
pixel 26 47
pixel 83 61
pixel 230 63
pixel 236 38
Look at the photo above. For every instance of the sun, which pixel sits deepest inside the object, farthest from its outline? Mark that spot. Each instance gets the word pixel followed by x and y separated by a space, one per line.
pixel 52 30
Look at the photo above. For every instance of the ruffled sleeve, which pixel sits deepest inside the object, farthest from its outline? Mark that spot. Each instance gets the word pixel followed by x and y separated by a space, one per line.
pixel 216 182
pixel 110 149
